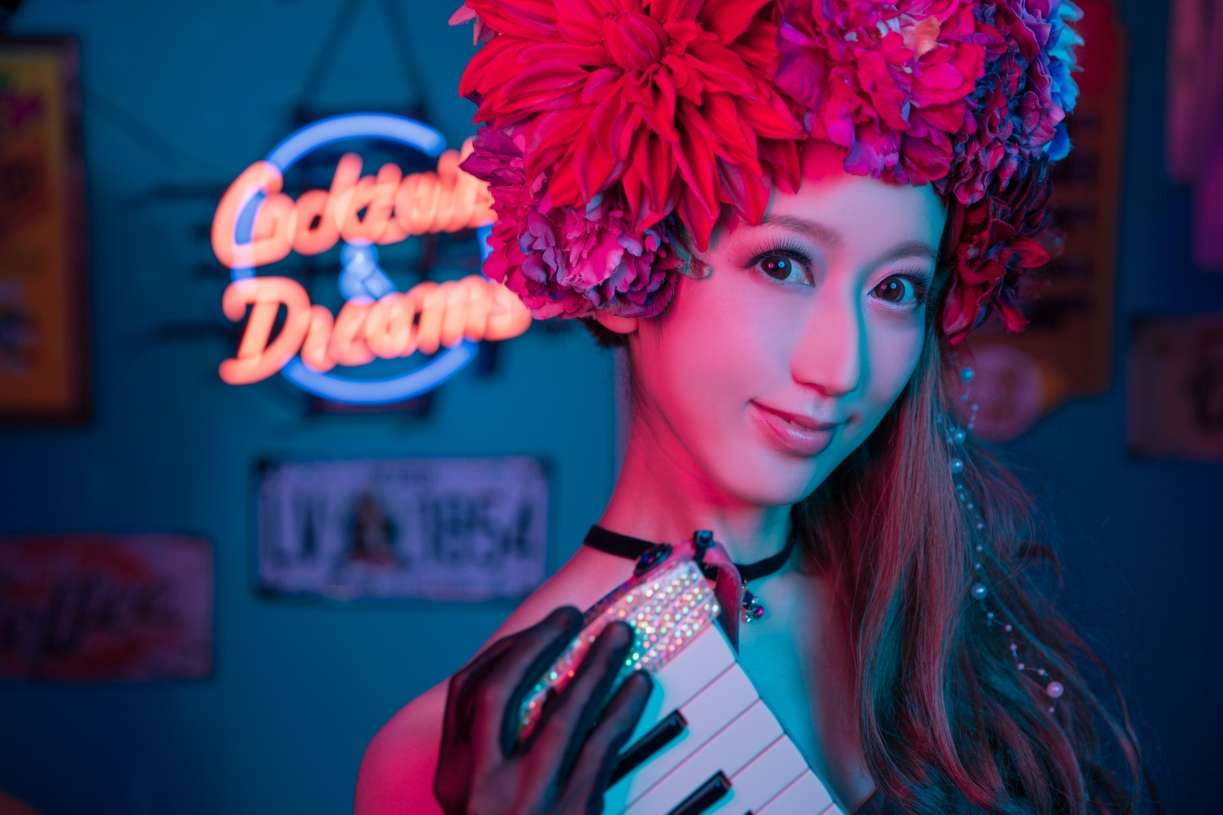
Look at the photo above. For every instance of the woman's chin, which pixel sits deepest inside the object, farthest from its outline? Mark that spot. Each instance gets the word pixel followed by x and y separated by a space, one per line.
pixel 767 478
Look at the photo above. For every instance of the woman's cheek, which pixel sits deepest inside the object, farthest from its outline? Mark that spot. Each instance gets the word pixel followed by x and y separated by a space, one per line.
pixel 895 352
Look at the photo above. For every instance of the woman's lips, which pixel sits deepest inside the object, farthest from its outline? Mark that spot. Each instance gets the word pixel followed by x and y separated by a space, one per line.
pixel 788 436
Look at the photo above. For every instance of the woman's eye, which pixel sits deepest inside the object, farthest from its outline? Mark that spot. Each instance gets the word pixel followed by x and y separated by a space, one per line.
pixel 903 290
pixel 782 264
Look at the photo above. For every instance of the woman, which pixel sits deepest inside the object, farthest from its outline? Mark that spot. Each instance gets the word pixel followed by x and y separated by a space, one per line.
pixel 787 215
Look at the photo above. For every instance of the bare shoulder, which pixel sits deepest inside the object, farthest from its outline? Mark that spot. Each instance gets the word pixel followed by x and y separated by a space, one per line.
pixel 396 773
pixel 397 769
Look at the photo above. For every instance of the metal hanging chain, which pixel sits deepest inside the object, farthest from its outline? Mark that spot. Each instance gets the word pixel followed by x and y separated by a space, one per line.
pixel 341 27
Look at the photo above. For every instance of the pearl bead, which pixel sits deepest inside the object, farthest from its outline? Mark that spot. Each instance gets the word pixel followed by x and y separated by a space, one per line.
pixel 956 436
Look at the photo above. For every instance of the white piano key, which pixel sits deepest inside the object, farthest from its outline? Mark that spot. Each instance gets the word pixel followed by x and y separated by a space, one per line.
pixel 803 797
pixel 729 751
pixel 696 665
pixel 762 778
pixel 707 713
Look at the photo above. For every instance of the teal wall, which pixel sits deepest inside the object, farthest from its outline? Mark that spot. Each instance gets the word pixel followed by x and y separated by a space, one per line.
pixel 191 94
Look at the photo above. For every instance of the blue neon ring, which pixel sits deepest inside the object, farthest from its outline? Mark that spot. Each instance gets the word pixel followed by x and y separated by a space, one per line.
pixel 327 131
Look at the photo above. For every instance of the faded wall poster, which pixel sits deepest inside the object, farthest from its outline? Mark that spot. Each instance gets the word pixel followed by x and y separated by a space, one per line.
pixel 105 607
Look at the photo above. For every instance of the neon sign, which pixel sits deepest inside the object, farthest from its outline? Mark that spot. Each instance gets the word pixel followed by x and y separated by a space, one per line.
pixel 257 224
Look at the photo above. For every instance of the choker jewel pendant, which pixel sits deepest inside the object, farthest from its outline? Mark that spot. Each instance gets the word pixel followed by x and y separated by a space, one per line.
pixel 752 608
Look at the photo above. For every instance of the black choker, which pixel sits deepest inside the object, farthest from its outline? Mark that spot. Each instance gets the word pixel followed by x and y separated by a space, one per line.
pixel 627 546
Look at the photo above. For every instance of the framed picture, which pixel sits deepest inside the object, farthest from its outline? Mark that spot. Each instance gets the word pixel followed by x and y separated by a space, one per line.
pixel 44 367
pixel 1175 394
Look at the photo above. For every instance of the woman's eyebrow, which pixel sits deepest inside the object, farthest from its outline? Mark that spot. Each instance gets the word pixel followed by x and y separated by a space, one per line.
pixel 906 249
pixel 832 239
pixel 817 232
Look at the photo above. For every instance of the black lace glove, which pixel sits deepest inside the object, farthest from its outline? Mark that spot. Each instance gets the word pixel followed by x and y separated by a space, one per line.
pixel 564 765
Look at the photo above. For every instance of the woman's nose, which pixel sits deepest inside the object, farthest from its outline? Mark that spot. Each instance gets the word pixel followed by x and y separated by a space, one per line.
pixel 831 351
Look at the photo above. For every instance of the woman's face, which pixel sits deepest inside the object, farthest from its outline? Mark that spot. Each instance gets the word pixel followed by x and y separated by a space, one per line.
pixel 818 312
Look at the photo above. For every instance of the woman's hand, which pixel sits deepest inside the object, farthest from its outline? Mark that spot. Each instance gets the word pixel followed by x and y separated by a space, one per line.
pixel 564 765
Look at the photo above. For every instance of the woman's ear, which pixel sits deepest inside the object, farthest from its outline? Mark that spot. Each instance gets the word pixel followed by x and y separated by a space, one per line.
pixel 616 323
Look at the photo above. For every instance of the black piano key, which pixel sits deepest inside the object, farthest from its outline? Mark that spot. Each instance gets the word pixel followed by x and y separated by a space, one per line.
pixel 704 796
pixel 654 739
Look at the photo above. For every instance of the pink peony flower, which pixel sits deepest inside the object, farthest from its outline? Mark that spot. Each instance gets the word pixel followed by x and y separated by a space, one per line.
pixel 886 81
pixel 564 261
pixel 1018 117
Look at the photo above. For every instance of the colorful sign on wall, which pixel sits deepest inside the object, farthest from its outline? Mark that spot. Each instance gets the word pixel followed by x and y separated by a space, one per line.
pixel 44 370
pixel 466 529
pixel 105 607
pixel 1194 142
pixel 258 225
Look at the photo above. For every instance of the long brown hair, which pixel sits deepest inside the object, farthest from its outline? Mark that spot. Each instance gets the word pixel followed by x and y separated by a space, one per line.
pixel 947 718
pixel 948 722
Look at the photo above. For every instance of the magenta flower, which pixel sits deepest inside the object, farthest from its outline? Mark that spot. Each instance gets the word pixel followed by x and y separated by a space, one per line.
pixel 562 261
pixel 613 126
pixel 886 81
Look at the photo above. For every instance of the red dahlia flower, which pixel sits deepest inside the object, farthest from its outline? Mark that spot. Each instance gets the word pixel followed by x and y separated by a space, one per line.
pixel 669 99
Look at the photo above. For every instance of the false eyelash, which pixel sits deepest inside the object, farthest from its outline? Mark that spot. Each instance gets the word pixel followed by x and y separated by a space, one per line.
pixel 783 246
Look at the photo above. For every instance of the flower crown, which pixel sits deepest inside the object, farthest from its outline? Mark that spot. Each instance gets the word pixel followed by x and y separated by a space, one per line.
pixel 618 132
